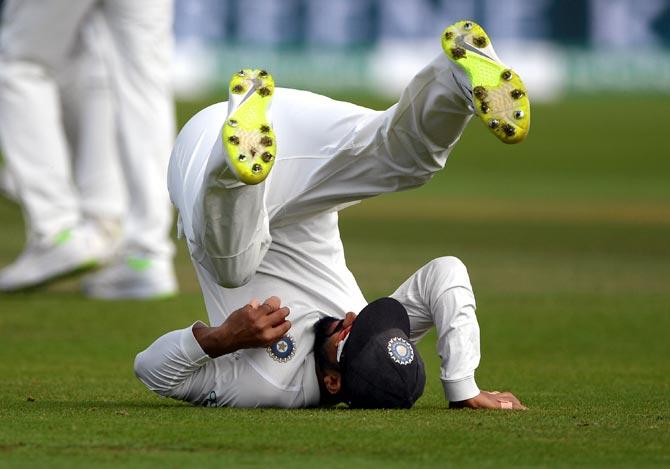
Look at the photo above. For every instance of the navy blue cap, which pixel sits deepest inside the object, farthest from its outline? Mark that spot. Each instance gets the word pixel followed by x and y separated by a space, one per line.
pixel 381 368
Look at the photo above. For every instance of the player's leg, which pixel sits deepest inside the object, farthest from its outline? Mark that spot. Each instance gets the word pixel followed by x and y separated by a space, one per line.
pixel 139 61
pixel 225 220
pixel 35 39
pixel 329 154
pixel 406 145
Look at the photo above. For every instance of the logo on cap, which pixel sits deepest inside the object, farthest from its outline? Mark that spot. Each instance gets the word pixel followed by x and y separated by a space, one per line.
pixel 400 351
pixel 282 350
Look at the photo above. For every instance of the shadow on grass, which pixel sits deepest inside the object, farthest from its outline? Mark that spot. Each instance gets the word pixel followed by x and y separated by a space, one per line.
pixel 121 404
pixel 340 409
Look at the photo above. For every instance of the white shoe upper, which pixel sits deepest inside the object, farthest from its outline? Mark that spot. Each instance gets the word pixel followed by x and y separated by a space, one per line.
pixel 93 243
pixel 130 277
pixel 45 259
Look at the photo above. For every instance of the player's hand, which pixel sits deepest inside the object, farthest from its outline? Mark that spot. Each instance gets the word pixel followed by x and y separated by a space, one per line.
pixel 490 400
pixel 251 326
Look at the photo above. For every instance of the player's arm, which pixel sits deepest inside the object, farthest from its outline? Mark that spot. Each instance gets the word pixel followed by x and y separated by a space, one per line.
pixel 440 294
pixel 248 327
pixel 180 363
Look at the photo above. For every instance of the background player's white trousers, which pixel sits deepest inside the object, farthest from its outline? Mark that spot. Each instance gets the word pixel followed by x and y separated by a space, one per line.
pixel 87 106
pixel 36 40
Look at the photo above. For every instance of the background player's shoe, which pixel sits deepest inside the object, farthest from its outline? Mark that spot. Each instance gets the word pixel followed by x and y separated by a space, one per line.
pixel 129 277
pixel 247 134
pixel 499 96
pixel 45 260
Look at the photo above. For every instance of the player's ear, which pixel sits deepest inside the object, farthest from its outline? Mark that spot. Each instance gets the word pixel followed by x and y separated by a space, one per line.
pixel 332 380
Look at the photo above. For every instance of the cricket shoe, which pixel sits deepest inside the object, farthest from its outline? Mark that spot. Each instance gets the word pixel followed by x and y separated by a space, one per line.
pixel 132 277
pixel 248 137
pixel 44 260
pixel 499 96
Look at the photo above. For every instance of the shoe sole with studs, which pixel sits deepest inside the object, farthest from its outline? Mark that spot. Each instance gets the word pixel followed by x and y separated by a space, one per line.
pixel 247 135
pixel 498 94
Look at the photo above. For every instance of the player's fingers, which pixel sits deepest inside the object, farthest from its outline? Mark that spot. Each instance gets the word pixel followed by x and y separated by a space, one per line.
pixel 277 317
pixel 508 396
pixel 509 405
pixel 268 306
pixel 282 329
pixel 254 303
pixel 506 405
pixel 271 304
pixel 273 334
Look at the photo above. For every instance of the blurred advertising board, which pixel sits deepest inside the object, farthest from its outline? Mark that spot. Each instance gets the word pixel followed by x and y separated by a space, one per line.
pixel 560 46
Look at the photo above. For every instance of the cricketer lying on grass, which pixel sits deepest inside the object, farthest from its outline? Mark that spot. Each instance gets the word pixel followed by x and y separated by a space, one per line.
pixel 280 238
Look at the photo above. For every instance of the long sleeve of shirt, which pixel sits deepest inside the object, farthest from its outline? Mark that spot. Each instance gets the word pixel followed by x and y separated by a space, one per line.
pixel 440 294
pixel 176 366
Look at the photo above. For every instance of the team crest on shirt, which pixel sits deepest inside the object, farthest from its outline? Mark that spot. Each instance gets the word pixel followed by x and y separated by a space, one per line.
pixel 400 351
pixel 282 350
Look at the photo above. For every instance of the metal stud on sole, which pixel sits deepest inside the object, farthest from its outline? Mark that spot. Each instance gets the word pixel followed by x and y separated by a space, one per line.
pixel 458 52
pixel 480 41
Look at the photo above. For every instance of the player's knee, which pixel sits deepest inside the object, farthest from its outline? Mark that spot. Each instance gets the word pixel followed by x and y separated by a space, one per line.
pixel 229 272
pixel 233 282
pixel 231 275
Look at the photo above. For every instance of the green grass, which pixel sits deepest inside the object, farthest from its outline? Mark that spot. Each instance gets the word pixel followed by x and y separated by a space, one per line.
pixel 567 239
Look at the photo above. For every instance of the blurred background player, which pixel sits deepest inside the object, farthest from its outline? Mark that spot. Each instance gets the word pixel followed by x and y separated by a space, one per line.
pixel 88 121
pixel 134 41
pixel 86 115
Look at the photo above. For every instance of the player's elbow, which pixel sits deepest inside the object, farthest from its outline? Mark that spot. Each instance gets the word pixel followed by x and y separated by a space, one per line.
pixel 449 264
pixel 147 372
pixel 229 272
pixel 143 368
pixel 447 272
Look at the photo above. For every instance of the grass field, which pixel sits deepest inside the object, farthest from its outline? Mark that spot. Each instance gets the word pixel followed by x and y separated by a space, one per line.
pixel 567 239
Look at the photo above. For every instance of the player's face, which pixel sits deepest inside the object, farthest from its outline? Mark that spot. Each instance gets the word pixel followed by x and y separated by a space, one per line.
pixel 329 332
pixel 337 332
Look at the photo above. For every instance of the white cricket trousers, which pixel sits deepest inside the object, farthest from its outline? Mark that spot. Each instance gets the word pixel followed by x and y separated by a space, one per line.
pixel 36 38
pixel 330 154
pixel 87 105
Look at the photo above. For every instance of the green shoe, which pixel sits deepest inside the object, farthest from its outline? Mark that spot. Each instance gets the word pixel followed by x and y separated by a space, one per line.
pixel 247 134
pixel 499 95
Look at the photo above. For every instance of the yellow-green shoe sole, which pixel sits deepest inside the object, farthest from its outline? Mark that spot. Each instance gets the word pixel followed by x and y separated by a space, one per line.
pixel 247 135
pixel 499 96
